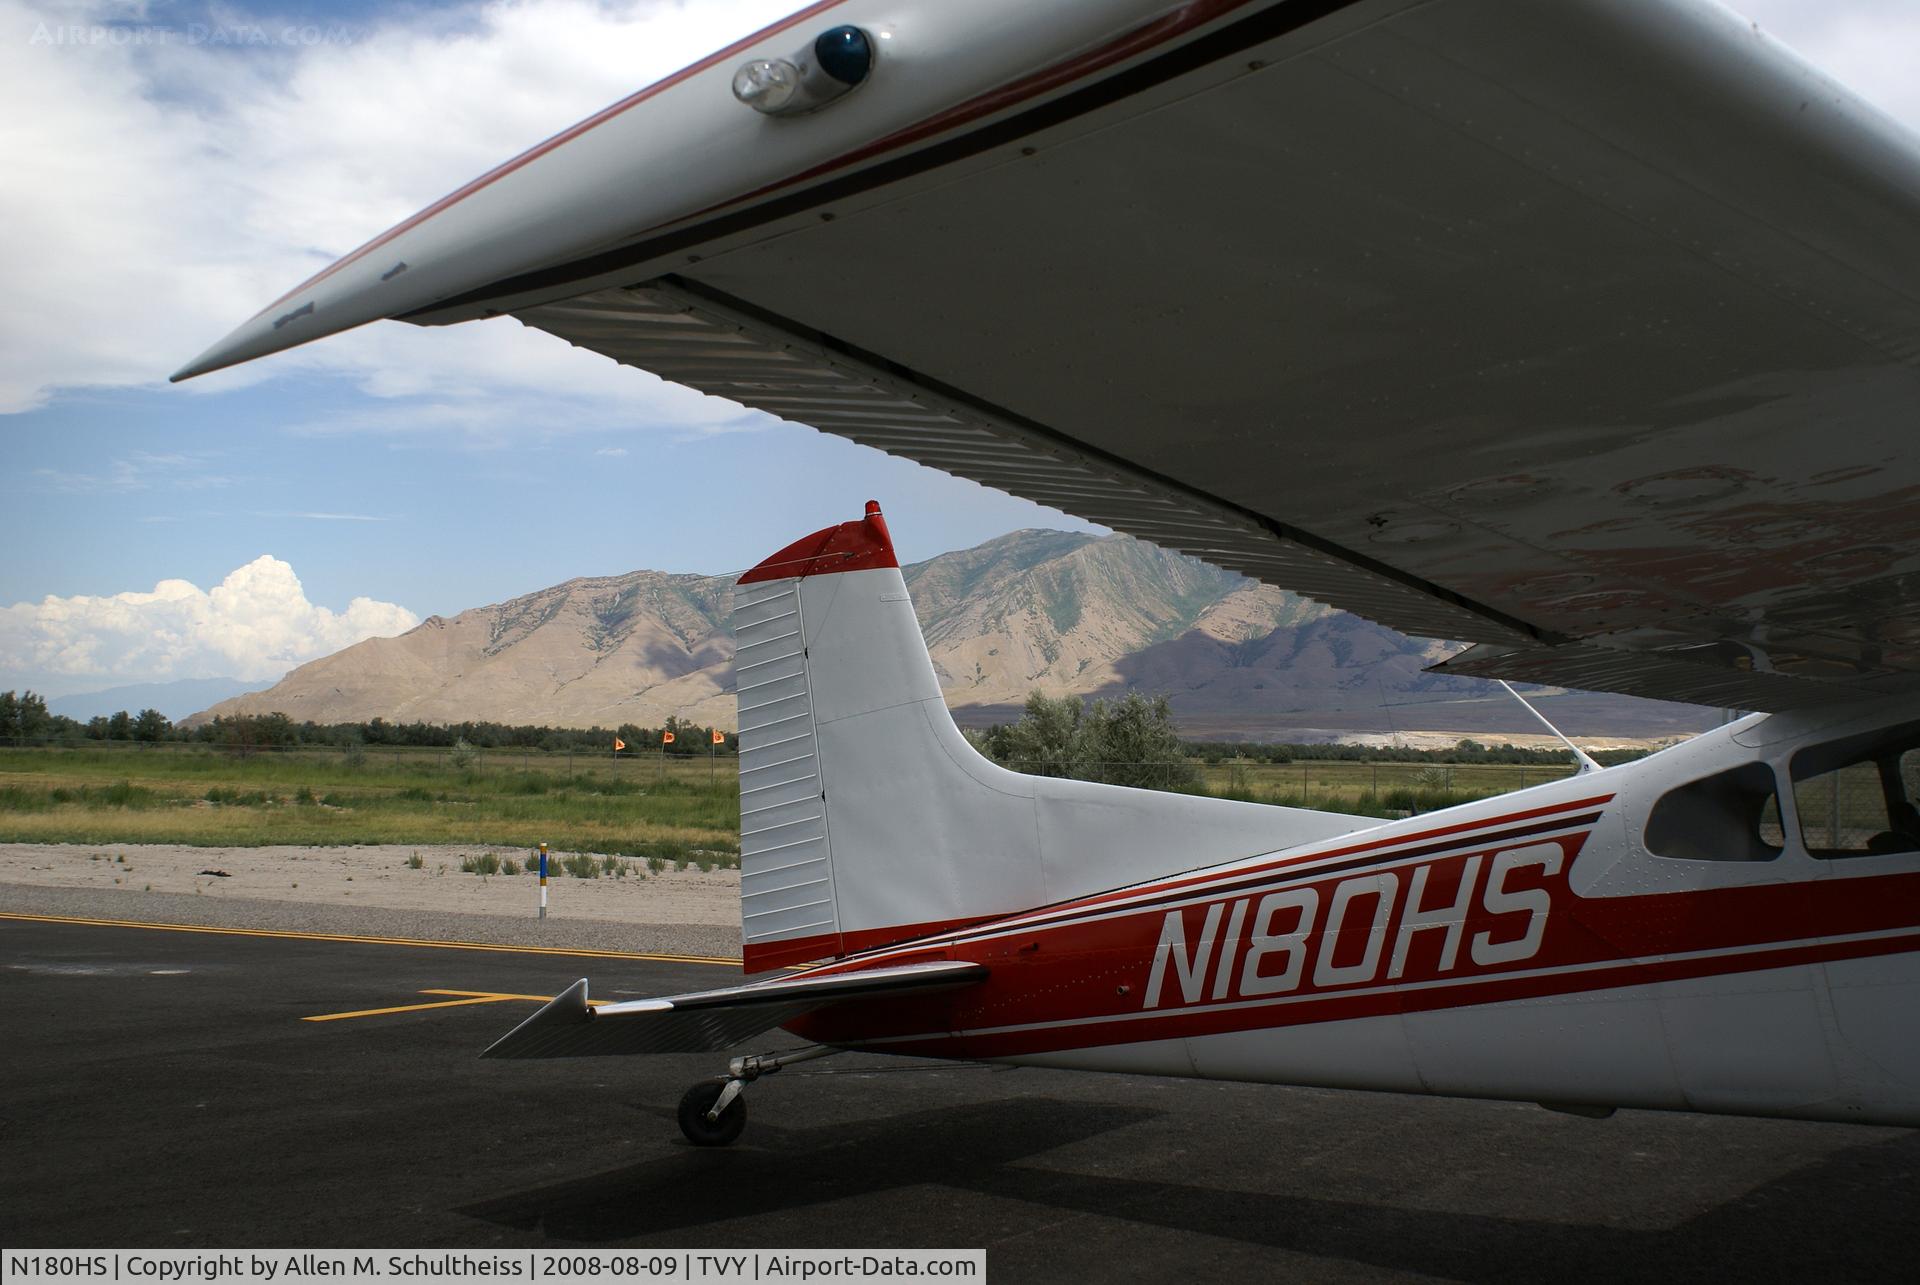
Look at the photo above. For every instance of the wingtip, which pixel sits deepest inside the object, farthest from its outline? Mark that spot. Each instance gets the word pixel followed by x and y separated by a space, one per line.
pixel 218 357
pixel 530 1037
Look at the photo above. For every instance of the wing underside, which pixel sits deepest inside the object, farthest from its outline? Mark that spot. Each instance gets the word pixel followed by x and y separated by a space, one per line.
pixel 1588 333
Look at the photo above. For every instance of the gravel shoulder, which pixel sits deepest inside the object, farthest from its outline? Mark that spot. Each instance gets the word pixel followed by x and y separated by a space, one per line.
pixel 372 891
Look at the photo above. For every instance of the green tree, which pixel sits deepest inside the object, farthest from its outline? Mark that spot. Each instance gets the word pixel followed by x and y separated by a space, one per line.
pixel 1133 741
pixel 120 727
pixel 1046 740
pixel 23 714
pixel 242 734
pixel 151 725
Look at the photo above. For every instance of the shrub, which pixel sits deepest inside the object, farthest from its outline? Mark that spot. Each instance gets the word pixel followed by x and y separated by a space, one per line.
pixel 509 867
pixel 415 861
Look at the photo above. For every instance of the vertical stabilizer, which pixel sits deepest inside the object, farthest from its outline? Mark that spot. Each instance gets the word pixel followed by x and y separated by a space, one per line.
pixel 866 818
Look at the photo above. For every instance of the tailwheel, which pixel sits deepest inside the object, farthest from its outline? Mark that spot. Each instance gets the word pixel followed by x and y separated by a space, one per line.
pixel 713 1113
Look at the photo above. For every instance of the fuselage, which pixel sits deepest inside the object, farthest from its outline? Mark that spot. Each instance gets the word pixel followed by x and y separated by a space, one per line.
pixel 1730 925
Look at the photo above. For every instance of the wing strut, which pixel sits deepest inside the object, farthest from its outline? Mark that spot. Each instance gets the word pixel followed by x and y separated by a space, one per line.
pixel 1586 763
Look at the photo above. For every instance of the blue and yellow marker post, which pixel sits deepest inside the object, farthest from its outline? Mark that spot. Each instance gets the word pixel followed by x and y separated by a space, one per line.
pixel 543 881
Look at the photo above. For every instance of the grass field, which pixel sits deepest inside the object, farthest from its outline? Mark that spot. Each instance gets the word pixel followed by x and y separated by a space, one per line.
pixel 1375 789
pixel 196 795
pixel 677 809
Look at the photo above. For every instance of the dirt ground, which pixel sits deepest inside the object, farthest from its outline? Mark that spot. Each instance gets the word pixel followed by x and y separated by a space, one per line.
pixel 377 876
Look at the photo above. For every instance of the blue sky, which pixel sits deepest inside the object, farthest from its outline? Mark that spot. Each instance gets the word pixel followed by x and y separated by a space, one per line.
pixel 181 163
pixel 111 489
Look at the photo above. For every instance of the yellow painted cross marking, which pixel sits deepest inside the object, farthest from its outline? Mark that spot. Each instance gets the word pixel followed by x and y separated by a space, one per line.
pixel 466 997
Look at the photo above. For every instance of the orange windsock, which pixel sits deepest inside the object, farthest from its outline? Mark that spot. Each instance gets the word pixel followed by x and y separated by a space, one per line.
pixel 618 745
pixel 719 737
pixel 666 738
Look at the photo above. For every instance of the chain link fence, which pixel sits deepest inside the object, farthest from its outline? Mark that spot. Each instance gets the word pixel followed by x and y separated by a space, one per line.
pixel 479 759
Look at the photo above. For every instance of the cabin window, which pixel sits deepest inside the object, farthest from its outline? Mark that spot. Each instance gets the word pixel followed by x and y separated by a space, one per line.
pixel 1857 797
pixel 1732 816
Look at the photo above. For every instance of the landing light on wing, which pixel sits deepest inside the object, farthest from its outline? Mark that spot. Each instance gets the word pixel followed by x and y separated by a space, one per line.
pixel 826 70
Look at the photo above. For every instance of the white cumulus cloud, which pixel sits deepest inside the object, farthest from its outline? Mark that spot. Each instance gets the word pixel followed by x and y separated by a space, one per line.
pixel 162 185
pixel 255 624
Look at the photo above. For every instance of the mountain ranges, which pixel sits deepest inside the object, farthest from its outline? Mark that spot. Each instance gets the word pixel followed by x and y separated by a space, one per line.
pixel 1053 611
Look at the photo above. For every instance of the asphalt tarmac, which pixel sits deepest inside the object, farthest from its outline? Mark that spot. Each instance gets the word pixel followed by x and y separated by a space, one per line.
pixel 163 1089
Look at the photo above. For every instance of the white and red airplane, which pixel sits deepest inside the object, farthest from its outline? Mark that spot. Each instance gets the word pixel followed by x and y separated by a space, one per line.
pixel 1585 332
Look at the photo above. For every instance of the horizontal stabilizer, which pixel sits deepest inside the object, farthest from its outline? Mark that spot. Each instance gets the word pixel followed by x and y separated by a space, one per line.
pixel 709 1021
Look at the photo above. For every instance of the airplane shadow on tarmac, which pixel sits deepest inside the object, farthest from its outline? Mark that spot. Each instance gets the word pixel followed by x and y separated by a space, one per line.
pixel 1804 1223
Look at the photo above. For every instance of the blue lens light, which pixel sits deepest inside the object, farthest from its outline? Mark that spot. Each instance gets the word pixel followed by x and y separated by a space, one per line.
pixel 845 54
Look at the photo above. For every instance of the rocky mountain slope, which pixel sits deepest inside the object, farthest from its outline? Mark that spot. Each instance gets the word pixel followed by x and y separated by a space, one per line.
pixel 1052 610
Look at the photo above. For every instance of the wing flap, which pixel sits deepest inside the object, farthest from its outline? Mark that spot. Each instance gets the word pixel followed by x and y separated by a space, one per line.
pixel 1724 675
pixel 710 1021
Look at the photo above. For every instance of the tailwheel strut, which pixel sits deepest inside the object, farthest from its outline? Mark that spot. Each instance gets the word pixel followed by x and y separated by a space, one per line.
pixel 713 1112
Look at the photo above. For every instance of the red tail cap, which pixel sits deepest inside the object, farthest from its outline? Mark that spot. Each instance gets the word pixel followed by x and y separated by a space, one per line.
pixel 852 546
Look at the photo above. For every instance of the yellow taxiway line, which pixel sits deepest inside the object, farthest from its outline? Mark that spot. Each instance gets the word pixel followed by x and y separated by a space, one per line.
pixel 468 997
pixel 379 941
pixel 496 995
pixel 409 1008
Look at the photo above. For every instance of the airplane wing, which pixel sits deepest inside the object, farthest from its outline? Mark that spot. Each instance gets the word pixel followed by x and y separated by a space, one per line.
pixel 710 1021
pixel 1585 332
